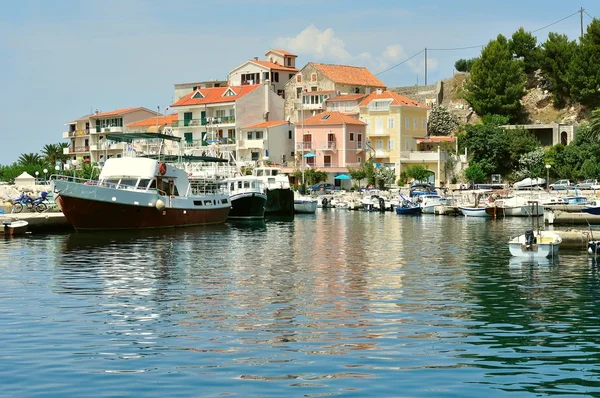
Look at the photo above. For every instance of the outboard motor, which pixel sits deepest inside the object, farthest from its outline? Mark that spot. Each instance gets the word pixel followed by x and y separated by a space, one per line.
pixel 6 224
pixel 381 204
pixel 594 248
pixel 530 238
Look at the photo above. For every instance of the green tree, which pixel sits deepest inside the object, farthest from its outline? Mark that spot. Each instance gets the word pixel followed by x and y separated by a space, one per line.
pixel 385 176
pixel 357 174
pixel 418 173
pixel 532 164
pixel 524 45
pixel 475 173
pixel 311 176
pixel 441 121
pixel 594 129
pixel 497 82
pixel 53 153
pixel 27 159
pixel 584 73
pixel 556 55
pixel 464 65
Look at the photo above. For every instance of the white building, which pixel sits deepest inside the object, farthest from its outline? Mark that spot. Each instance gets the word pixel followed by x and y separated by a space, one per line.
pixel 270 141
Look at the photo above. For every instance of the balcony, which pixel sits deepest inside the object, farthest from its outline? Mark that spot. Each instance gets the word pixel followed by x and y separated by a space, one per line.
pixel 113 129
pixel 322 164
pixel 423 156
pixel 304 146
pixel 211 121
pixel 327 146
pixel 360 146
pixel 108 147
pixel 251 144
pixel 379 133
pixel 77 149
pixel 381 153
pixel 76 133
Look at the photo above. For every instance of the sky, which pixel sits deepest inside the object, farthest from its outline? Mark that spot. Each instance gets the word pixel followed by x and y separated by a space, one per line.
pixel 61 59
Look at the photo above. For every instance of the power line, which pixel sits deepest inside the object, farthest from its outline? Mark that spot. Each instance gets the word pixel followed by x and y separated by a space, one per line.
pixel 554 23
pixel 586 13
pixel 395 66
pixel 453 49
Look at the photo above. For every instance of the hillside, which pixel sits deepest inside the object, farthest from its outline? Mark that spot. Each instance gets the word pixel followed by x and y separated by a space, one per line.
pixel 537 101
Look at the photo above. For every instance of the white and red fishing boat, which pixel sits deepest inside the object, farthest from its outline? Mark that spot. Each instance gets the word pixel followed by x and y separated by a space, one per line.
pixel 137 193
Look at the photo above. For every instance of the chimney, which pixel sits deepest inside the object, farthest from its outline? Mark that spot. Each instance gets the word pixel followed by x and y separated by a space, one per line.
pixel 379 91
pixel 96 112
pixel 256 58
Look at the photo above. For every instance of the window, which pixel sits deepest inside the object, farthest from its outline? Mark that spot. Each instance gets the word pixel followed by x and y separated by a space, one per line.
pixel 229 93
pixel 313 88
pixel 424 123
pixel 298 91
pixel 276 77
pixel 379 106
pixel 258 135
pixel 249 135
pixel 356 90
pixel 390 123
pixel 390 145
pixel 255 155
pixel 197 94
pixel 281 93
pixel 313 77
pixel 290 134
pixel 359 137
pixel 415 124
pixel 348 107
pixel 358 159
pixel 351 136
pixel 325 117
pixel 406 123
pixel 291 75
pixel 379 145
pixel 335 106
pixel 378 125
pixel 299 79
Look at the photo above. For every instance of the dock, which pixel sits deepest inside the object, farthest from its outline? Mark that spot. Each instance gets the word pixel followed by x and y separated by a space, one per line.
pixel 41 222
pixel 561 217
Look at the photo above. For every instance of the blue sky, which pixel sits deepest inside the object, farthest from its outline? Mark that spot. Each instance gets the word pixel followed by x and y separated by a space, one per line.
pixel 60 59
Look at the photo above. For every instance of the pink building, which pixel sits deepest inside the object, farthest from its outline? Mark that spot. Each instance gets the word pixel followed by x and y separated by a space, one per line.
pixel 336 140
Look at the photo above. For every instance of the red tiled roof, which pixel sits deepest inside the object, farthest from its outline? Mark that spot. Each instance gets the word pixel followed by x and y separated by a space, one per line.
pixel 281 52
pixel 272 65
pixel 115 112
pixel 214 95
pixel 396 98
pixel 271 123
pixel 153 121
pixel 346 97
pixel 344 74
pixel 329 118
pixel 434 139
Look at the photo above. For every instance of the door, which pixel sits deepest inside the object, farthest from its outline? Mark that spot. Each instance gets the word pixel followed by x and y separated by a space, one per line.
pixel 203 117
pixel 189 138
pixel 187 118
pixel 327 160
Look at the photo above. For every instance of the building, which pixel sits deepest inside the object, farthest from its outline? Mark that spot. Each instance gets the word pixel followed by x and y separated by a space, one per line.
pixel 548 134
pixel 278 68
pixel 333 141
pixel 395 124
pixel 347 104
pixel 216 116
pixel 271 141
pixel 86 134
pixel 308 91
pixel 183 89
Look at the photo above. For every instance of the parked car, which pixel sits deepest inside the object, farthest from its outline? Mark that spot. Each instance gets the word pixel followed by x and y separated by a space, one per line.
pixel 327 188
pixel 587 184
pixel 560 184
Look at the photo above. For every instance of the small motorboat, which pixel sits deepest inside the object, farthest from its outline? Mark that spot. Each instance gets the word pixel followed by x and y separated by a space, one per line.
pixel 470 211
pixel 535 245
pixel 11 228
pixel 407 207
pixel 305 204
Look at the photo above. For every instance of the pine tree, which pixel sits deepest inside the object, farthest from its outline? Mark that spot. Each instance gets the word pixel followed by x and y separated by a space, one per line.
pixel 557 54
pixel 497 82
pixel 524 45
pixel 584 73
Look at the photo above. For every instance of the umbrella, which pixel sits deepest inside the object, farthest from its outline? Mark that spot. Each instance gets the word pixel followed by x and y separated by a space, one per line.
pixel 309 155
pixel 343 177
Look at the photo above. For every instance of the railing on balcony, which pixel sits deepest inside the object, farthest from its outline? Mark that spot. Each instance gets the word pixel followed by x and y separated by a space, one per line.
pixel 111 129
pixel 256 144
pixel 204 121
pixel 423 156
pixel 381 153
pixel 79 149
pixel 323 164
pixel 379 132
pixel 76 133
pixel 199 143
pixel 304 146
pixel 329 145
pixel 360 145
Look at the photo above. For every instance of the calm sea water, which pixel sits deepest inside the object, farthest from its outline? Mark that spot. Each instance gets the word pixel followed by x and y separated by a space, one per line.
pixel 333 304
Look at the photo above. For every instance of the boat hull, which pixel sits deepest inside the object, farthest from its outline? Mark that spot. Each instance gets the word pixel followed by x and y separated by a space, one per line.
pixel 473 211
pixel 302 206
pixel 280 202
pixel 14 228
pixel 546 245
pixel 408 210
pixel 250 205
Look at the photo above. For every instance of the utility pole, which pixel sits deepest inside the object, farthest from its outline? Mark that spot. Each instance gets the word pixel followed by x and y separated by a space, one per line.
pixel 425 65
pixel 581 20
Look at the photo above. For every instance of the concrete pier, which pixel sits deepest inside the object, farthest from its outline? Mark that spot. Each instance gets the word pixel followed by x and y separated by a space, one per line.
pixel 41 222
pixel 560 217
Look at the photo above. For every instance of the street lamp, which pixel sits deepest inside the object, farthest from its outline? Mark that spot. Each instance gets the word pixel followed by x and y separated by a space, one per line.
pixel 45 176
pixel 548 176
pixel 37 174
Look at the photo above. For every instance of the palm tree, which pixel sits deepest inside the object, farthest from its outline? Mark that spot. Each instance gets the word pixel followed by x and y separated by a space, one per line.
pixel 30 159
pixel 595 125
pixel 54 153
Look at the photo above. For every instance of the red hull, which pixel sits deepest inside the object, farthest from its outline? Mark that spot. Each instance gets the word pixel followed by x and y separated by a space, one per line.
pixel 85 214
pixel 13 231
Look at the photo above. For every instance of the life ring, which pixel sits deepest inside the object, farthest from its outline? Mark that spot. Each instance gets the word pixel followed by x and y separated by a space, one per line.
pixel 162 168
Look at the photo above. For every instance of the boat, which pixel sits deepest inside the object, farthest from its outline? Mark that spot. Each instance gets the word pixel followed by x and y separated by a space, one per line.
pixel 305 204
pixel 513 207
pixel 134 192
pixel 535 244
pixel 407 207
pixel 530 183
pixel 428 202
pixel 247 195
pixel 592 207
pixel 280 195
pixel 470 211
pixel 12 228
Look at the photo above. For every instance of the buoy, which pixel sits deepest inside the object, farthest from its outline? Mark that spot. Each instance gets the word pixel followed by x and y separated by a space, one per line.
pixel 160 204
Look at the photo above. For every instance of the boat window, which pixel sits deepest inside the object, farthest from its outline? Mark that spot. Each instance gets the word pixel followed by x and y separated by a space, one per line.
pixel 246 184
pixel 271 180
pixel 259 173
pixel 197 203
pixel 224 201
pixel 274 172
pixel 232 186
pixel 127 183
pixel 253 184
pixel 111 182
pixel 153 184
pixel 239 185
pixel 143 184
pixel 207 203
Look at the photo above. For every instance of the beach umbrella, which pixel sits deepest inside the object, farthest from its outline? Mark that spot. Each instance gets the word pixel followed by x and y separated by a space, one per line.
pixel 343 177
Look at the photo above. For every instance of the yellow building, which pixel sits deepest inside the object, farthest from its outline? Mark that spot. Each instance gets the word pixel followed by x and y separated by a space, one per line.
pixel 394 124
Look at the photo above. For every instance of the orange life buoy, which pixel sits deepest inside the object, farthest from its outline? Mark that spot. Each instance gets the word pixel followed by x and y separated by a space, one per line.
pixel 162 168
